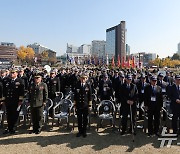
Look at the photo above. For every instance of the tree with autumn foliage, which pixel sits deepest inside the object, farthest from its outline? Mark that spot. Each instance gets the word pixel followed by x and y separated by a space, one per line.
pixel 165 62
pixel 25 55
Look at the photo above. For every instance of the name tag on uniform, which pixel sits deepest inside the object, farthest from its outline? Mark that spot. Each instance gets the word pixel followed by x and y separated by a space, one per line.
pixel 87 89
pixel 163 90
pixel 142 91
pixel 153 99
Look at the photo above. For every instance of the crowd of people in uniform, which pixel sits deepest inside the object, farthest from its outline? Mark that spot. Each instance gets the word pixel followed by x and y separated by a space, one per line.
pixel 128 87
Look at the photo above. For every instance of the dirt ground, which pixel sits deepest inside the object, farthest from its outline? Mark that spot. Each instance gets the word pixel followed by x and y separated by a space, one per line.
pixel 64 141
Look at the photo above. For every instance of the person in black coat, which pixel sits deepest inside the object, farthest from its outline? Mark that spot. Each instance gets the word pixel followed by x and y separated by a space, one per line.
pixel 13 95
pixel 153 103
pixel 175 103
pixel 53 85
pixel 105 88
pixel 82 102
pixel 24 78
pixel 115 83
pixel 141 86
pixel 168 78
pixel 128 97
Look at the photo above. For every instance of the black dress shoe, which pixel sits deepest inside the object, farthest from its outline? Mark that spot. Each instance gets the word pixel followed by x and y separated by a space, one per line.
pixel 157 134
pixel 37 132
pixel 32 131
pixel 78 134
pixel 150 134
pixel 84 135
pixel 123 132
pixel 6 131
pixel 12 132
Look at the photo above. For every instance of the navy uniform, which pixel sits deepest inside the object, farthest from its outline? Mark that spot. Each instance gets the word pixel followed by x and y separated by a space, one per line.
pixel 153 102
pixel 74 78
pixel 13 95
pixel 175 103
pixel 63 80
pixel 38 95
pixel 53 84
pixel 82 101
pixel 129 93
pixel 24 79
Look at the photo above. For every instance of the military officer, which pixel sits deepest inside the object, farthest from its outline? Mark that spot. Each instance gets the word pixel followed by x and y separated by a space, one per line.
pixel 13 95
pixel 153 102
pixel 53 84
pixel 24 78
pixel 82 101
pixel 38 95
pixel 128 97
pixel 63 80
pixel 175 103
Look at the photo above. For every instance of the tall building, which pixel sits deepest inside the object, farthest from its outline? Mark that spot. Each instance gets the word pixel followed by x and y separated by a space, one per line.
pixel 128 50
pixel 85 48
pixel 8 52
pixel 98 48
pixel 143 58
pixel 178 48
pixel 116 41
pixel 71 48
pixel 8 44
pixel 38 48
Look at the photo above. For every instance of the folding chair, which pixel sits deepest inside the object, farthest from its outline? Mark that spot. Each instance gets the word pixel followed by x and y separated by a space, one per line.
pixel 2 115
pixel 24 111
pixel 145 123
pixel 65 106
pixel 49 105
pixel 167 109
pixel 106 111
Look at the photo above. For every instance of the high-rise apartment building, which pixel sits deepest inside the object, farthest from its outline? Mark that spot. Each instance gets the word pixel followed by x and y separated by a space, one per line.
pixel 116 41
pixel 98 48
pixel 38 48
pixel 85 48
pixel 178 48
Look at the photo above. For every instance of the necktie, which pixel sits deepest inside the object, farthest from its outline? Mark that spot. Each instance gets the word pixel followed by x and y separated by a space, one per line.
pixel 153 90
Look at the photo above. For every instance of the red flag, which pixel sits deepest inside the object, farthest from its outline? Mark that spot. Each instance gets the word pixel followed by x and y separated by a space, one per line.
pixel 133 64
pixel 118 62
pixel 112 61
pixel 128 64
pixel 123 63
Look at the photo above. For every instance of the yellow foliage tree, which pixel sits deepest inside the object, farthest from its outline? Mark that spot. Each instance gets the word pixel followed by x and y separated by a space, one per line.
pixel 165 62
pixel 25 53
pixel 44 55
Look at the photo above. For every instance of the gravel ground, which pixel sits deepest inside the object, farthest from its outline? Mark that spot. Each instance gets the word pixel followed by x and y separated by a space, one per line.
pixel 60 140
